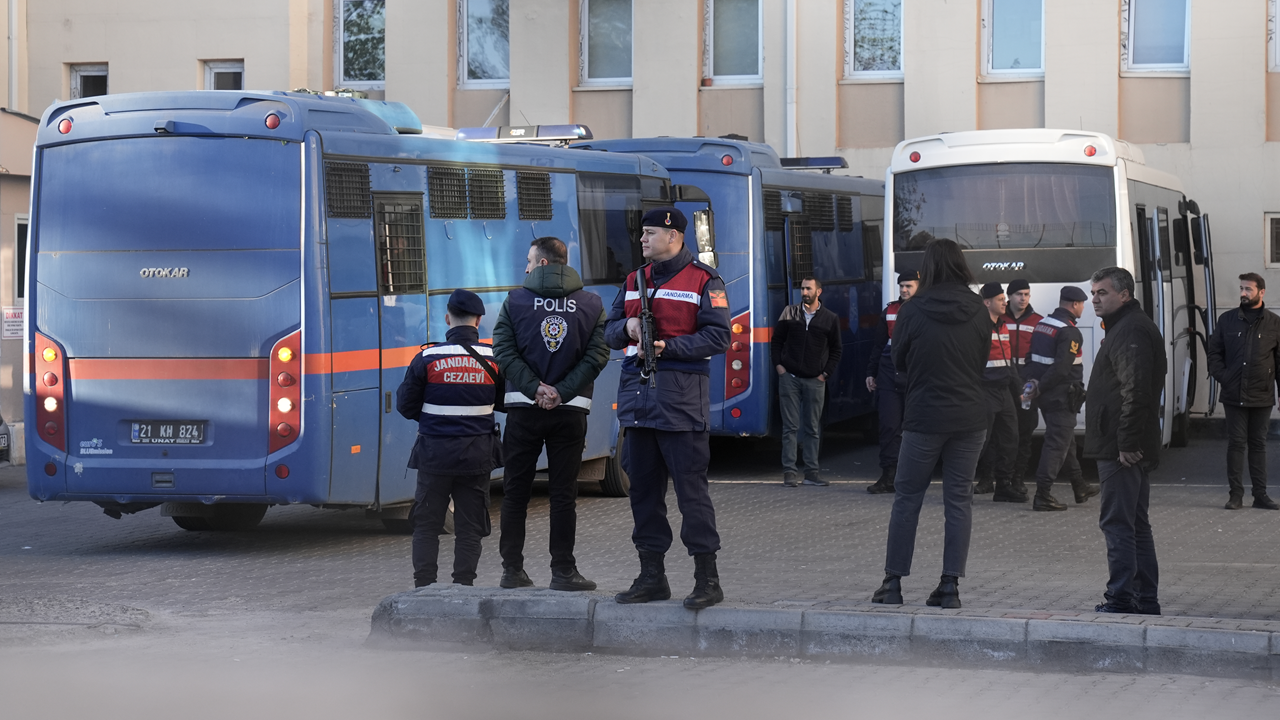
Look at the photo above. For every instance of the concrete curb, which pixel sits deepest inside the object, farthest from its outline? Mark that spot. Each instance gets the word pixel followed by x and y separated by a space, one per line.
pixel 453 616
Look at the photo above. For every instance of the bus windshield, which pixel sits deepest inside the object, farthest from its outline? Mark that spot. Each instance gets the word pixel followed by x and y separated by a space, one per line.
pixel 170 193
pixel 1007 205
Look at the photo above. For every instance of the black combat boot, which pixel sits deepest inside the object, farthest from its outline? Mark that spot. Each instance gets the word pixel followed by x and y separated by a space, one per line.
pixel 651 584
pixel 984 486
pixel 890 592
pixel 706 583
pixel 1085 490
pixel 1006 493
pixel 1044 501
pixel 947 595
pixel 885 483
pixel 1020 487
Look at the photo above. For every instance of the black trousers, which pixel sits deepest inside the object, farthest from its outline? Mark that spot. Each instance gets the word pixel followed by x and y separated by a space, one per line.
pixel 563 432
pixel 1131 548
pixel 1028 420
pixel 996 462
pixel 1058 456
pixel 470 495
pixel 891 403
pixel 1247 429
pixel 650 457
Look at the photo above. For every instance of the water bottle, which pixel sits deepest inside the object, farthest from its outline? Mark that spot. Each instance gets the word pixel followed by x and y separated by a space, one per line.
pixel 1026 393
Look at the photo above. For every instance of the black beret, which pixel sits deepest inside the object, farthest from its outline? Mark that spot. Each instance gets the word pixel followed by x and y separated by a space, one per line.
pixel 466 302
pixel 991 290
pixel 1018 284
pixel 667 218
pixel 1072 293
pixel 908 276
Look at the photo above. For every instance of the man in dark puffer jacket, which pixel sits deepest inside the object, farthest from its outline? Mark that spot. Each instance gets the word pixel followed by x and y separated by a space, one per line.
pixel 1244 357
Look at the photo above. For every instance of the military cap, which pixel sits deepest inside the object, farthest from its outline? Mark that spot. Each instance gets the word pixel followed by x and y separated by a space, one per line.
pixel 667 218
pixel 465 302
pixel 908 276
pixel 1072 293
pixel 1018 284
pixel 991 290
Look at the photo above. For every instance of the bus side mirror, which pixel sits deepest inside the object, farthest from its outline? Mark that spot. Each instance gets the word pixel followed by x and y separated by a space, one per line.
pixel 1197 238
pixel 704 231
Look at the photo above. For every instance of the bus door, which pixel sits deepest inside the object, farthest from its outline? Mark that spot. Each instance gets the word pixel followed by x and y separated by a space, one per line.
pixel 1155 286
pixel 1202 254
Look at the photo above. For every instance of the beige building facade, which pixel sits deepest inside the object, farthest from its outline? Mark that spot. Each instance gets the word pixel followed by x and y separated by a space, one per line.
pixel 1195 83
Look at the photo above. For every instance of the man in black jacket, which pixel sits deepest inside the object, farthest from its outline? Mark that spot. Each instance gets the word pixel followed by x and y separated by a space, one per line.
pixel 1244 357
pixel 1122 432
pixel 806 352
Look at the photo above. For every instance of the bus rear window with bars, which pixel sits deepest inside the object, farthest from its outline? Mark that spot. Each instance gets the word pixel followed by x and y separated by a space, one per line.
pixel 533 195
pixel 346 190
pixel 773 218
pixel 487 193
pixel 401 248
pixel 447 192
pixel 821 214
pixel 801 249
pixel 844 213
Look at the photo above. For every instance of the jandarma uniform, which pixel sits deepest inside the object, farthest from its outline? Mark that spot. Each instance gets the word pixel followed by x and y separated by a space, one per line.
pixel 451 395
pixel 1021 329
pixel 889 391
pixel 999 383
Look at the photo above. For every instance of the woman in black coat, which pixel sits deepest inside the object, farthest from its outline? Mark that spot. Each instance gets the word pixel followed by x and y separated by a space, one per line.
pixel 940 344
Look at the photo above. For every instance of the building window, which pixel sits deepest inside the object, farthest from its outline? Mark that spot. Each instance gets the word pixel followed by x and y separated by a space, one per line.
pixel 484 44
pixel 732 47
pixel 606 42
pixel 223 74
pixel 873 39
pixel 1155 35
pixel 361 40
pixel 20 259
pixel 1272 233
pixel 88 80
pixel 1013 37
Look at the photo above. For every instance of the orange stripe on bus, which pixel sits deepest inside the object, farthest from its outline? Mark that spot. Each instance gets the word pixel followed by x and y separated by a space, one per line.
pixel 761 335
pixel 169 368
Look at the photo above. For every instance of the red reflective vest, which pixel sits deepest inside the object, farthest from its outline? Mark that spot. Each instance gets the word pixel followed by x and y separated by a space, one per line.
pixel 1020 331
pixel 891 319
pixel 675 304
pixel 998 357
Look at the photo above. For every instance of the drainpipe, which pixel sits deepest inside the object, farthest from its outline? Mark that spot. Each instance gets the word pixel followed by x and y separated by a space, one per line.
pixel 793 144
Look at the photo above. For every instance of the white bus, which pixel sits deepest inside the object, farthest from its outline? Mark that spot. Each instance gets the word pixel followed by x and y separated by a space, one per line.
pixel 1053 206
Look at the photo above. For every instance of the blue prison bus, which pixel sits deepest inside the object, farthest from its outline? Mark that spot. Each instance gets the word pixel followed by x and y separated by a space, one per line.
pixel 225 289
pixel 765 227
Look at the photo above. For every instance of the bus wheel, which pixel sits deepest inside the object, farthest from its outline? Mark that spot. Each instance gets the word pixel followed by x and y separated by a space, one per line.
pixel 615 482
pixel 1178 434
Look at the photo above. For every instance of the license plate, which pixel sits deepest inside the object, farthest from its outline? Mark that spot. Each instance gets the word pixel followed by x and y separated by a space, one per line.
pixel 4 441
pixel 168 432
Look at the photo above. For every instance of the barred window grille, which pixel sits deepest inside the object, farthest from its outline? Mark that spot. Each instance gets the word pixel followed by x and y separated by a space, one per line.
pixel 773 218
pixel 447 192
pixel 818 206
pixel 801 249
pixel 533 195
pixel 346 190
pixel 487 191
pixel 401 247
pixel 844 212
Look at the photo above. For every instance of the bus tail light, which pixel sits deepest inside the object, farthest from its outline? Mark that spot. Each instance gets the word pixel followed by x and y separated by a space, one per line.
pixel 1090 151
pixel 286 395
pixel 64 126
pixel 51 412
pixel 737 361
pixel 915 157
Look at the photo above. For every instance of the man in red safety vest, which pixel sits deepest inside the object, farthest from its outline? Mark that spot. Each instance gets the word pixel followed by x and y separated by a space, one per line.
pixel 1021 320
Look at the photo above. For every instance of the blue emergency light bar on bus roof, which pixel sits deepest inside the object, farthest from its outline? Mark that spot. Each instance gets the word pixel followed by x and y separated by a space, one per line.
pixel 833 162
pixel 527 133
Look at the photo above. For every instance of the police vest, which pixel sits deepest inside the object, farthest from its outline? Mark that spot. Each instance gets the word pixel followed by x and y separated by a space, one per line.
pixel 890 319
pixel 675 307
pixel 552 336
pixel 998 356
pixel 1020 332
pixel 1049 334
pixel 457 398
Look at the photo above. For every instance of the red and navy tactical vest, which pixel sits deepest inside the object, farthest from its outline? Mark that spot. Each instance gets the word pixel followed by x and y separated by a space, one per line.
pixel 999 356
pixel 1020 332
pixel 552 336
pixel 675 305
pixel 890 319
pixel 457 398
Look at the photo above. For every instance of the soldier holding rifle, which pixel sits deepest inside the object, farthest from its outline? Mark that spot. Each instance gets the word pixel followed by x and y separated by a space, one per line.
pixel 664 405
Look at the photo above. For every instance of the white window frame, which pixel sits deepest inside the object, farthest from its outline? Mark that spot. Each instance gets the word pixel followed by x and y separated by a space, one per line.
pixel 79 70
pixel 216 66
pixel 20 262
pixel 464 82
pixel 583 62
pixel 988 47
pixel 850 46
pixel 338 36
pixel 708 48
pixel 1273 47
pixel 1267 219
pixel 1127 66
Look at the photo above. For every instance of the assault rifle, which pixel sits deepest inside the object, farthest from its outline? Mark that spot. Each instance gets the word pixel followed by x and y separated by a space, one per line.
pixel 648 360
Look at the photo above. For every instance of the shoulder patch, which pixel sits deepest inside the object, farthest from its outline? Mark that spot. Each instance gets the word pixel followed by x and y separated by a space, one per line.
pixel 1075 347
pixel 719 300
